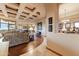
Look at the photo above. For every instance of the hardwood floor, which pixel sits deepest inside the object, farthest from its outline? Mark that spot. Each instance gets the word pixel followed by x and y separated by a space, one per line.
pixel 52 52
pixel 25 47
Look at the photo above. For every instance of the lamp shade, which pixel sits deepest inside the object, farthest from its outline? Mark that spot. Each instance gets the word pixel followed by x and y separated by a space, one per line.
pixel 1 35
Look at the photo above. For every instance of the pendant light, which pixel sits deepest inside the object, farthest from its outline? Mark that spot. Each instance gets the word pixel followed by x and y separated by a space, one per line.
pixel 65 17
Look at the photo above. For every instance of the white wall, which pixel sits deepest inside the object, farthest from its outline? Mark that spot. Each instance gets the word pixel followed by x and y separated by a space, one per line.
pixel 72 11
pixel 65 44
pixel 52 11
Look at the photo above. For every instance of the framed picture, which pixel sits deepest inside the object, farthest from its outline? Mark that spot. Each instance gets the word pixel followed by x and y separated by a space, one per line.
pixel 60 26
pixel 39 26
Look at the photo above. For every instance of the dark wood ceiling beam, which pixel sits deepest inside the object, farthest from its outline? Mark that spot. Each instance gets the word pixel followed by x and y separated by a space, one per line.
pixel 11 8
pixel 38 13
pixel 34 15
pixel 30 18
pixel 30 8
pixel 11 13
pixel 23 16
pixel 25 13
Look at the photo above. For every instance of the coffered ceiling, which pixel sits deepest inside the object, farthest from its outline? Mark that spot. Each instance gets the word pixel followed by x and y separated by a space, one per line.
pixel 22 11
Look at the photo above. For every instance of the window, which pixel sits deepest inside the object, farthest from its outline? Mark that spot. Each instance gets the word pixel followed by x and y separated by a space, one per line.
pixel 50 28
pixel 50 20
pixel 11 25
pixel 77 24
pixel 39 28
pixel 50 25
pixel 3 25
pixel 6 25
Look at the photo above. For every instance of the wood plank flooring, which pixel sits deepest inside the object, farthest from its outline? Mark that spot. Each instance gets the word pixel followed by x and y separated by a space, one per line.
pixel 25 47
pixel 52 52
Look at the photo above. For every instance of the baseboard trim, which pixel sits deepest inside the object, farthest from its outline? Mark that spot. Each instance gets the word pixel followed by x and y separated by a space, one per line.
pixel 54 52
